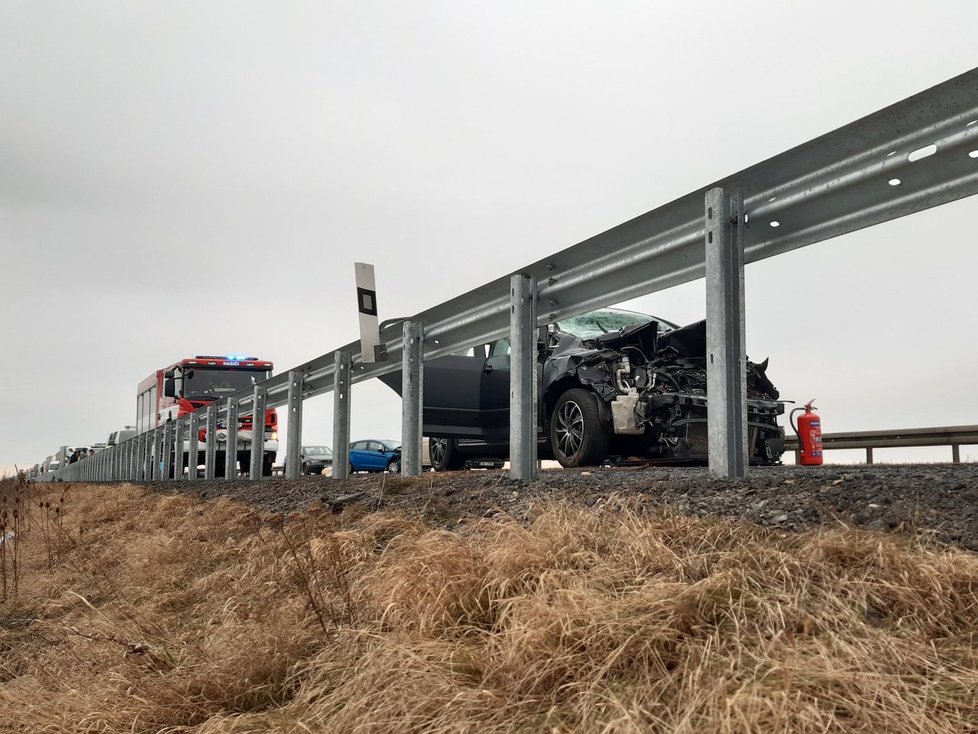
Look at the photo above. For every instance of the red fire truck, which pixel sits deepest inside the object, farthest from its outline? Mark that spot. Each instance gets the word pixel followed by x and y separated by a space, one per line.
pixel 185 386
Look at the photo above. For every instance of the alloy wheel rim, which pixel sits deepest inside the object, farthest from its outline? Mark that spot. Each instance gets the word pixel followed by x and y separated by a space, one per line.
pixel 569 428
pixel 437 448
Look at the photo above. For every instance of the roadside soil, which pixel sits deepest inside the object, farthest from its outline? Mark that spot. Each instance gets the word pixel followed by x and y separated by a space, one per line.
pixel 936 501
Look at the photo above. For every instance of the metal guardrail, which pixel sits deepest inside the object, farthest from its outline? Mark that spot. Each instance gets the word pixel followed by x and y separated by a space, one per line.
pixel 913 155
pixel 953 436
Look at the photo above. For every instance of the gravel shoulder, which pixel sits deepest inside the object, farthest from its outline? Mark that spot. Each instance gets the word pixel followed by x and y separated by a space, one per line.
pixel 939 501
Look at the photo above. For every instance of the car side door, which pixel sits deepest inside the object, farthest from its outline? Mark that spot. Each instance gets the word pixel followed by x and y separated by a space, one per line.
pixel 452 394
pixel 376 456
pixel 494 389
pixel 358 450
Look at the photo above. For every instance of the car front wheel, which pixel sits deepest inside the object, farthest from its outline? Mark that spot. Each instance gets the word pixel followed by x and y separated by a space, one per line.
pixel 394 465
pixel 444 455
pixel 578 436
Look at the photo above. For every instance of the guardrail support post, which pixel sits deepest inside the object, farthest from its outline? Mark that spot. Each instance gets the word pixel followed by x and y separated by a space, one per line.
pixel 131 457
pixel 955 453
pixel 135 457
pixel 140 471
pixel 231 450
pixel 342 365
pixel 869 455
pixel 293 447
pixel 210 442
pixel 193 435
pixel 158 452
pixel 257 432
pixel 144 455
pixel 176 459
pixel 726 363
pixel 412 392
pixel 167 455
pixel 522 378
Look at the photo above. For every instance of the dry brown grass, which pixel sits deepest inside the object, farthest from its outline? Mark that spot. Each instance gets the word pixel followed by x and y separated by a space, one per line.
pixel 167 614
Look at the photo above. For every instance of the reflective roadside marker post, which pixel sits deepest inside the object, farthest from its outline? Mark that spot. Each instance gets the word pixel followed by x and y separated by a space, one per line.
pixel 168 451
pixel 210 442
pixel 726 363
pixel 293 448
pixel 367 311
pixel 231 444
pixel 257 432
pixel 522 378
pixel 342 364
pixel 177 457
pixel 193 436
pixel 412 391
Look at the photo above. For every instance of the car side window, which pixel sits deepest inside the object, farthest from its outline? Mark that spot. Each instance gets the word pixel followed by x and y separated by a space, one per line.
pixel 359 445
pixel 477 351
pixel 373 446
pixel 499 348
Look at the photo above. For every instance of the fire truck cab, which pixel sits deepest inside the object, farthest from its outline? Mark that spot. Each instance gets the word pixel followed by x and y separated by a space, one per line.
pixel 190 384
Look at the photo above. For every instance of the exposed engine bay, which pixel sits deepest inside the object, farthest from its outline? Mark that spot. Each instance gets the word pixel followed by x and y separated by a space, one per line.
pixel 651 383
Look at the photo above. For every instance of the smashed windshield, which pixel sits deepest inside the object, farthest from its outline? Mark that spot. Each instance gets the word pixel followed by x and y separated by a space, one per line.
pixel 318 451
pixel 210 383
pixel 605 320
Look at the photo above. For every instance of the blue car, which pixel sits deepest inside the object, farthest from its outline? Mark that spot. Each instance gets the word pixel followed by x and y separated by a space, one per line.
pixel 375 455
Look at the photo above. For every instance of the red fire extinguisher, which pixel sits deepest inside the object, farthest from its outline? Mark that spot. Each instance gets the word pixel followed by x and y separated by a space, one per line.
pixel 809 432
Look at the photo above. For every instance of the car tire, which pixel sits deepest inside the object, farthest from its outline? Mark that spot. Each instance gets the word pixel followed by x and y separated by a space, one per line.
pixel 444 454
pixel 578 436
pixel 394 465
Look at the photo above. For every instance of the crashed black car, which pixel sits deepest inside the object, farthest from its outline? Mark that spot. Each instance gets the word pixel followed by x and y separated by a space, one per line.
pixel 614 384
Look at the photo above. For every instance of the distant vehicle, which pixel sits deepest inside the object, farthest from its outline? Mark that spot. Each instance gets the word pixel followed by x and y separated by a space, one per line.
pixel 192 383
pixel 315 459
pixel 65 457
pixel 613 384
pixel 375 455
pixel 117 437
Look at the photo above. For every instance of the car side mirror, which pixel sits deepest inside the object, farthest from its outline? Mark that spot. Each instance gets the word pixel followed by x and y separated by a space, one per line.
pixel 169 387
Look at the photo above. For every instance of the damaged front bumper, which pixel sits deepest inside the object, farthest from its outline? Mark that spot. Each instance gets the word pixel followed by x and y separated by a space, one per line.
pixel 677 423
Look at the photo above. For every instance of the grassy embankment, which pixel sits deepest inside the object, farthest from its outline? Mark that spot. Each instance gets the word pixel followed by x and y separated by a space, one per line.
pixel 147 613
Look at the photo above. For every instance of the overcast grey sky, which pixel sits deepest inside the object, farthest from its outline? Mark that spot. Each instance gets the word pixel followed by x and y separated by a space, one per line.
pixel 199 177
